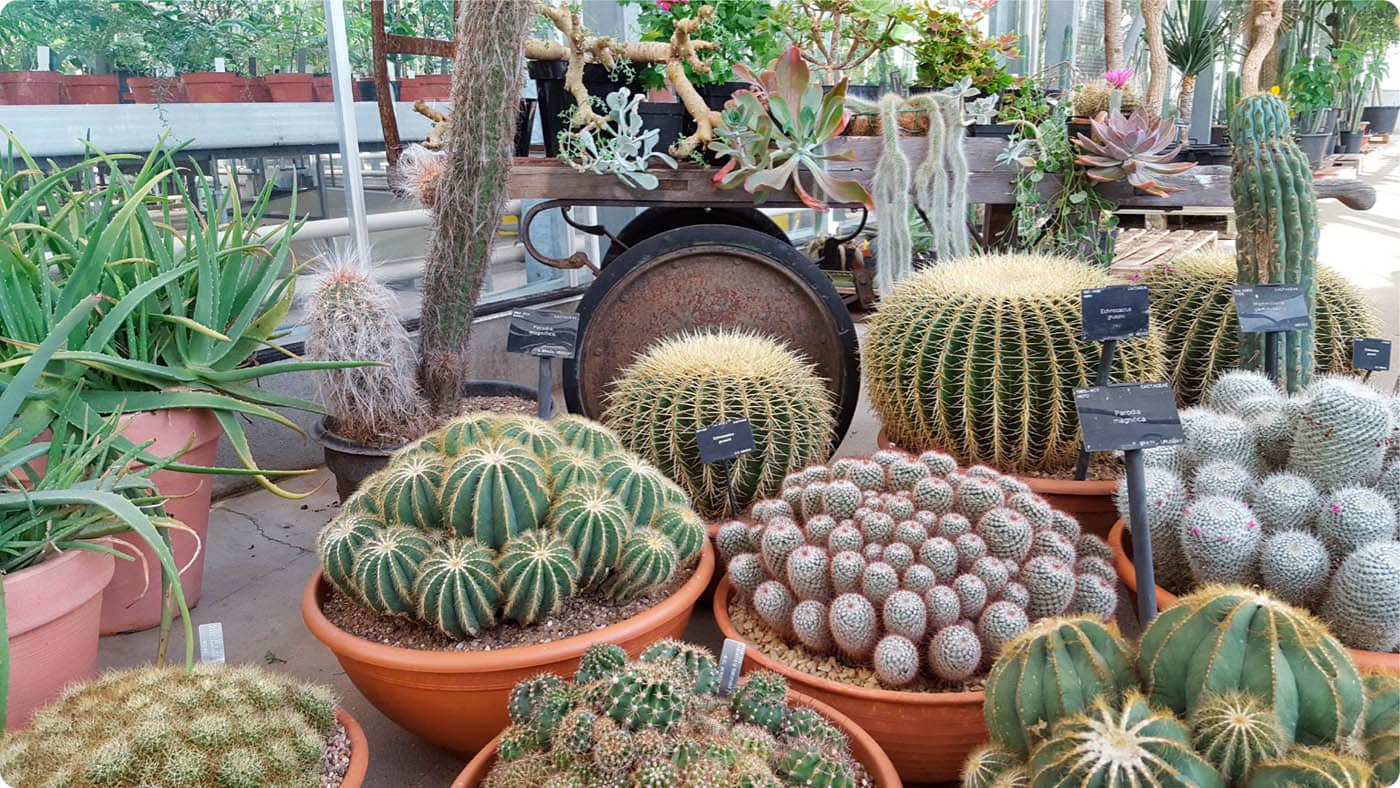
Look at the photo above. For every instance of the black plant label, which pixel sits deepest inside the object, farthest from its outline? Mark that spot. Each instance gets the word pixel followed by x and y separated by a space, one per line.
pixel 543 332
pixel 1118 312
pixel 1128 416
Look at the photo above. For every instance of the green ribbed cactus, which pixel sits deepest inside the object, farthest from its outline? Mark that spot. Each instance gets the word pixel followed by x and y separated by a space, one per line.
pixel 1342 434
pixel 989 330
pixel 457 588
pixel 697 664
pixel 1276 210
pixel 987 764
pixel 1363 602
pixel 1381 736
pixel 1311 767
pixel 538 572
pixel 1220 537
pixel 407 492
pixel 648 561
pixel 589 437
pixel 1234 731
pixel 642 488
pixel 234 727
pixel 569 467
pixel 386 567
pixel 1193 305
pixel 493 491
pixel 339 541
pixel 594 523
pixel 1120 743
pixel 1198 646
pixel 1053 670
pixel 646 698
pixel 687 382
pixel 761 700
pixel 683 527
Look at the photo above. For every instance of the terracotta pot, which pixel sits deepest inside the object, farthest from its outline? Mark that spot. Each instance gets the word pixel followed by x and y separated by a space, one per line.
pixel 125 608
pixel 90 89
pixel 156 90
pixel 213 87
pixel 864 748
pixel 321 87
pixel 52 609
pixel 428 87
pixel 457 699
pixel 359 750
pixel 1123 563
pixel 927 735
pixel 31 87
pixel 291 87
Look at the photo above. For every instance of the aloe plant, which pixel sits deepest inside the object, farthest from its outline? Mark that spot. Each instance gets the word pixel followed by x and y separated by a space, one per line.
pixel 1132 148
pixel 775 131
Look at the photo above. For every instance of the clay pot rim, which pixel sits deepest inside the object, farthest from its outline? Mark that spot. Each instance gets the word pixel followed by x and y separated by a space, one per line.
pixel 882 770
pixel 31 581
pixel 421 661
pixel 359 750
pixel 726 626
pixel 1096 488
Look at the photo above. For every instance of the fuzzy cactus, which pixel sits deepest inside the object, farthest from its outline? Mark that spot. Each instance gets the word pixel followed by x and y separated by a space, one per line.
pixel 237 727
pixel 1352 517
pixel 954 653
pixel 1220 537
pixel 1285 502
pixel 1363 603
pixel 982 313
pixel 1224 479
pixel 684 383
pixel 1234 731
pixel 895 660
pixel 1343 433
pixel 854 625
pixel 1212 436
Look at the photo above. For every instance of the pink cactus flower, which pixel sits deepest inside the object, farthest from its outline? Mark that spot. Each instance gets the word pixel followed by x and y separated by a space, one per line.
pixel 1118 77
pixel 663 5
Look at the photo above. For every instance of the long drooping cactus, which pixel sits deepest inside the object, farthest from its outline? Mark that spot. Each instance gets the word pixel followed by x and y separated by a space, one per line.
pixel 979 357
pixel 684 383
pixel 1271 185
pixel 466 527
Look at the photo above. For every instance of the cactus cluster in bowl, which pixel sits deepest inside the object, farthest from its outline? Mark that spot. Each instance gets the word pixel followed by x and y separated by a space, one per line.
pixel 661 721
pixel 234 727
pixel 503 518
pixel 1229 687
pixel 911 566
pixel 1297 494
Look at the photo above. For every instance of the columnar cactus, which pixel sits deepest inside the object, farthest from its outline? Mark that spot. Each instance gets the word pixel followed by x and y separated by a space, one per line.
pixel 1015 315
pixel 495 518
pixel 906 590
pixel 241 727
pixel 687 382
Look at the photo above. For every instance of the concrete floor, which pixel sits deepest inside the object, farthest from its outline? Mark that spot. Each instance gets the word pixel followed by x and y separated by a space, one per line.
pixel 260 551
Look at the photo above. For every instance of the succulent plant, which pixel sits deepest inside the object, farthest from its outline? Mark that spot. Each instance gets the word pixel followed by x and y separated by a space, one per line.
pixel 1234 731
pixel 1220 537
pixel 1381 736
pixel 1343 433
pixel 1016 315
pixel 1310 766
pixel 1092 98
pixel 1295 567
pixel 1363 603
pixel 687 382
pixel 987 764
pixel 237 727
pixel 884 589
pixel 1132 148
pixel 470 526
pixel 1193 305
pixel 619 146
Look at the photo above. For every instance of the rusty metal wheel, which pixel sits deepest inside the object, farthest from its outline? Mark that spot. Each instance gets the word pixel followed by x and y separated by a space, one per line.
pixel 712 276
pixel 655 221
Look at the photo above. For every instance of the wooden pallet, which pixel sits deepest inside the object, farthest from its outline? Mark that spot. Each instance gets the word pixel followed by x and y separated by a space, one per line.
pixel 1139 251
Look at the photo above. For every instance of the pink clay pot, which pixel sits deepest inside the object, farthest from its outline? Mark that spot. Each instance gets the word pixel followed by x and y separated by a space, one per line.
pixel 52 609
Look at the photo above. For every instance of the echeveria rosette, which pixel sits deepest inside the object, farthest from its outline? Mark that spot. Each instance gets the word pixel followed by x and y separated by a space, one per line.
pixel 1132 148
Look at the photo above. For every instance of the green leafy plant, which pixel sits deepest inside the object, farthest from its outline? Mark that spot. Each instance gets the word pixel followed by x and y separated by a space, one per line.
pixel 1194 35
pixel 838 36
pixel 776 132
pixel 739 30
pixel 950 46
pixel 619 147
pixel 1310 87
pixel 1132 149
pixel 1024 102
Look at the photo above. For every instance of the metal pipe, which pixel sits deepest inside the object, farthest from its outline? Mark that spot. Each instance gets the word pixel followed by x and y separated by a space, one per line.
pixel 349 133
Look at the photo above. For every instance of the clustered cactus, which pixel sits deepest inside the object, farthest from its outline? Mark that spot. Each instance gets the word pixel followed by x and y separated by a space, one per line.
pixel 1297 494
pixel 1092 98
pixel 234 727
pixel 502 518
pixel 979 357
pixel 687 382
pixel 912 566
pixel 1193 305
pixel 1230 687
pixel 660 721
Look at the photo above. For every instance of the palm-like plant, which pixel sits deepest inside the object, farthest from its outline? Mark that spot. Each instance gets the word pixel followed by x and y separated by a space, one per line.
pixel 1194 38
pixel 1132 148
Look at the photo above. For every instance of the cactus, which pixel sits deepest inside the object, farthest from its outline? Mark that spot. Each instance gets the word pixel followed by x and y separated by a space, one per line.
pixel 761 700
pixel 943 607
pixel 1000 623
pixel 1342 435
pixel 1212 436
pixel 1237 386
pixel 1352 517
pixel 1053 670
pixel 972 595
pixel 1363 603
pixel 854 625
pixel 1051 586
pixel 1224 479
pixel 1285 502
pixel 687 382
pixel 1016 314
pixel 589 437
pixel 1193 304
pixel 1166 502
pixel 642 488
pixel 386 567
pixel 1220 537
pixel 1291 663
pixel 241 727
pixel 954 653
pixel 1093 596
pixel 809 625
pixel 988 763
pixel 538 572
pixel 339 541
pixel 457 588
pixel 1131 745
pixel 494 491
pixel 1381 735
pixel 1006 532
pixel 806 764
pixel 684 528
pixel 807 573
pixel 1295 567
pixel 594 524
pixel 645 699
pixel 896 660
pixel 1091 98
pixel 1306 767
pixel 879 581
pixel 1234 731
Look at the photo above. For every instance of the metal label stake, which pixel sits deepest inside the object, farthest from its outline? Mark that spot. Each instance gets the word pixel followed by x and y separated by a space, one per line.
pixel 1107 315
pixel 722 443
pixel 548 335
pixel 1271 310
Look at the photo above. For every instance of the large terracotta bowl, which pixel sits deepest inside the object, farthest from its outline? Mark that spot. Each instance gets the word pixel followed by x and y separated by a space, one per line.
pixel 927 735
pixel 1090 501
pixel 359 750
pixel 1123 563
pixel 863 747
pixel 457 700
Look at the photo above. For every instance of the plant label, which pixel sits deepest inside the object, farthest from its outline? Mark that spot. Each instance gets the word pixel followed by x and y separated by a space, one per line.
pixel 724 441
pixel 1372 354
pixel 1264 309
pixel 1119 312
pixel 211 642
pixel 543 332
pixel 1128 416
pixel 731 660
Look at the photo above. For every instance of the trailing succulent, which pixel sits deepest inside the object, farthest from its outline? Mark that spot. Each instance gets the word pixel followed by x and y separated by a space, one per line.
pixel 1296 494
pixel 688 382
pixel 1229 687
pixel 980 356
pixel 660 721
pixel 234 727
pixel 502 518
pixel 618 146
pixel 912 566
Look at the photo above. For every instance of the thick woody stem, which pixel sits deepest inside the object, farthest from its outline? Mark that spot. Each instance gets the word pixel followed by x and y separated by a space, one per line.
pixel 1265 17
pixel 1186 97
pixel 1112 35
pixel 1157 51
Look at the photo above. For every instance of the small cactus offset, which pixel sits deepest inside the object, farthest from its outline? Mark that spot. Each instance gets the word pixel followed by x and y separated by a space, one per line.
pixel 910 592
pixel 503 518
pixel 234 727
pixel 1234 731
pixel 1381 736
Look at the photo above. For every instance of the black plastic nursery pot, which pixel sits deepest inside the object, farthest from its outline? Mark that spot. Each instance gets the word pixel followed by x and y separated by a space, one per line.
pixel 1382 119
pixel 668 117
pixel 716 96
pixel 1206 154
pixel 1002 130
pixel 1316 146
pixel 1349 142
pixel 524 125
pixel 352 462
pixel 554 100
